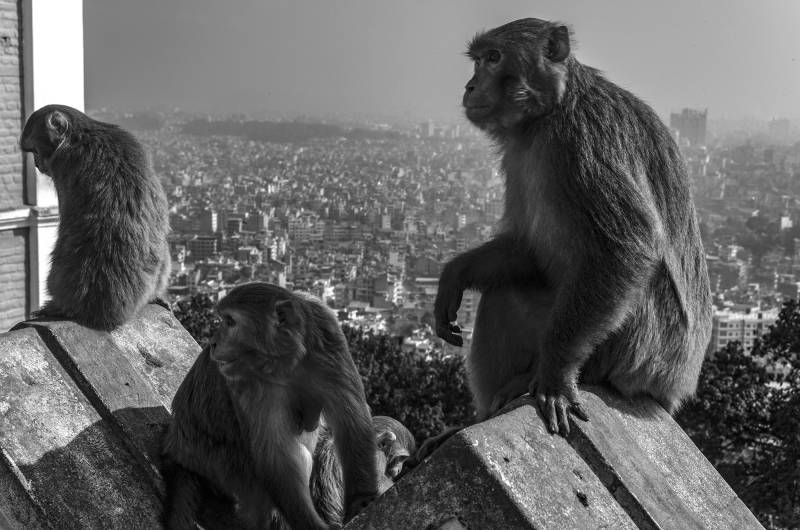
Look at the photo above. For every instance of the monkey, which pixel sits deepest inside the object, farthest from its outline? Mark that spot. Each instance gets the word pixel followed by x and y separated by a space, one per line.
pixel 597 272
pixel 111 255
pixel 394 444
pixel 246 418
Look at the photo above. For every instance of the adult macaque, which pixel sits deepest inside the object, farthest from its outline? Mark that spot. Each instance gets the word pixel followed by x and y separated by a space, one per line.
pixel 246 418
pixel 111 256
pixel 598 273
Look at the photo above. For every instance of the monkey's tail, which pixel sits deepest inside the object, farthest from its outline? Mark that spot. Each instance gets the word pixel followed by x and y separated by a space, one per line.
pixel 184 493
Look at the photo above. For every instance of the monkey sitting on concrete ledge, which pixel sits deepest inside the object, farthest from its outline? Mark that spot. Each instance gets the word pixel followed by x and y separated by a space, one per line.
pixel 111 256
pixel 598 273
pixel 246 419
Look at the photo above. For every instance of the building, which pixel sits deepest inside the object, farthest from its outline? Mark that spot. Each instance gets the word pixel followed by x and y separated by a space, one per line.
pixel 42 63
pixel 208 221
pixel 745 327
pixel 691 126
pixel 202 247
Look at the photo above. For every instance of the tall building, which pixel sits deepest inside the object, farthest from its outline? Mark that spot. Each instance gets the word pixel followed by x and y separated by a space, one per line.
pixel 780 127
pixel 691 126
pixel 728 326
pixel 208 221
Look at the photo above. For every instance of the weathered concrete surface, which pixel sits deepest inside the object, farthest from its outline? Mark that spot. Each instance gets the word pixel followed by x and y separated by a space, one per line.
pixel 129 375
pixel 18 510
pixel 653 468
pixel 66 457
pixel 82 414
pixel 630 466
pixel 507 473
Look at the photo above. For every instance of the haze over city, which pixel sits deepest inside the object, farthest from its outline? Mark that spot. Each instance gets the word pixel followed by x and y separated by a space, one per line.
pixel 382 57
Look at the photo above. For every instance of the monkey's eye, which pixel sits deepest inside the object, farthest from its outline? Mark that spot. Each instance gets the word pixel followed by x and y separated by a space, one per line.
pixel 493 56
pixel 229 321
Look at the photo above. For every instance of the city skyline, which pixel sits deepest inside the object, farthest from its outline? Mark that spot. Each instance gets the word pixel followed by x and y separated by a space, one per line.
pixel 383 58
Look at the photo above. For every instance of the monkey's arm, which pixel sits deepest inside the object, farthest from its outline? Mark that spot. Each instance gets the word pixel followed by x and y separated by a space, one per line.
pixel 497 263
pixel 337 383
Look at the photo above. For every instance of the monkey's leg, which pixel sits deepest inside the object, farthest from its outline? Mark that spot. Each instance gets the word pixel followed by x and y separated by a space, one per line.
pixel 513 389
pixel 579 322
pixel 184 492
pixel 505 344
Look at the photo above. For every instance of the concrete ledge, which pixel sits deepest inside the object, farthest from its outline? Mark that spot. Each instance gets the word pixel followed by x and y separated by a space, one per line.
pixel 631 466
pixel 82 414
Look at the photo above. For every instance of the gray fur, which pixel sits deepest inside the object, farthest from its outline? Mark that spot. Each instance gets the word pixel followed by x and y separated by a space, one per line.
pixel 111 256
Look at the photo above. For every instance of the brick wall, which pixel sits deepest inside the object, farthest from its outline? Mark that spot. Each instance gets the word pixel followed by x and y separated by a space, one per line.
pixel 13 289
pixel 13 241
pixel 11 175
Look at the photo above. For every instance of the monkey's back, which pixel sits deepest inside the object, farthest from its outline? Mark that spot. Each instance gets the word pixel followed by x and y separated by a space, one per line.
pixel 628 167
pixel 111 256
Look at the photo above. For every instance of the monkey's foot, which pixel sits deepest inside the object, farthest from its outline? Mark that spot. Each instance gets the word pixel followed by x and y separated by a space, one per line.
pixel 163 303
pixel 48 311
pixel 555 401
pixel 512 390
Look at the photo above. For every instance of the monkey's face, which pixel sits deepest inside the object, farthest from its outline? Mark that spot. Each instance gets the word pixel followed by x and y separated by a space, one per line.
pixel 254 346
pixel 520 74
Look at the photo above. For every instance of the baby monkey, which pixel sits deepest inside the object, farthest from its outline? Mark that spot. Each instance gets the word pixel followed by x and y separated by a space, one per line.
pixel 111 256
pixel 247 417
pixel 394 444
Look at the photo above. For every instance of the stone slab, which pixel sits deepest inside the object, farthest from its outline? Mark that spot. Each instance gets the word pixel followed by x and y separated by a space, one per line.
pixel 507 473
pixel 159 349
pixel 129 375
pixel 652 466
pixel 70 460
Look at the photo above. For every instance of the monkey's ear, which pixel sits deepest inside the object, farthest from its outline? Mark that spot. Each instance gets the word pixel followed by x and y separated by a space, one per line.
pixel 57 126
pixel 558 44
pixel 286 312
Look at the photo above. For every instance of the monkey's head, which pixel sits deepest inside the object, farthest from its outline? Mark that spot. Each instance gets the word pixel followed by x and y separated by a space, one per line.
pixel 395 442
pixel 52 129
pixel 260 334
pixel 520 74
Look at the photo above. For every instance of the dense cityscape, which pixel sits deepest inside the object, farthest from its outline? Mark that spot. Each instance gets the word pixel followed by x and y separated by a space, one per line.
pixel 364 216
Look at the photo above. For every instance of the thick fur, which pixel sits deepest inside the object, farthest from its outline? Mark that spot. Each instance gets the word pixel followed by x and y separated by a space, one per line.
pixel 598 270
pixel 394 444
pixel 246 417
pixel 111 256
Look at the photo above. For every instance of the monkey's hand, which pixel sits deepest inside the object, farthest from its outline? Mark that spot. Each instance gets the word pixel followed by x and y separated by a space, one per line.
pixel 556 397
pixel 445 309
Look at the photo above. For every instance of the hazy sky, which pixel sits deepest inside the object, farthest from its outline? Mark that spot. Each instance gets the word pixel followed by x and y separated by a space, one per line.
pixel 737 58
